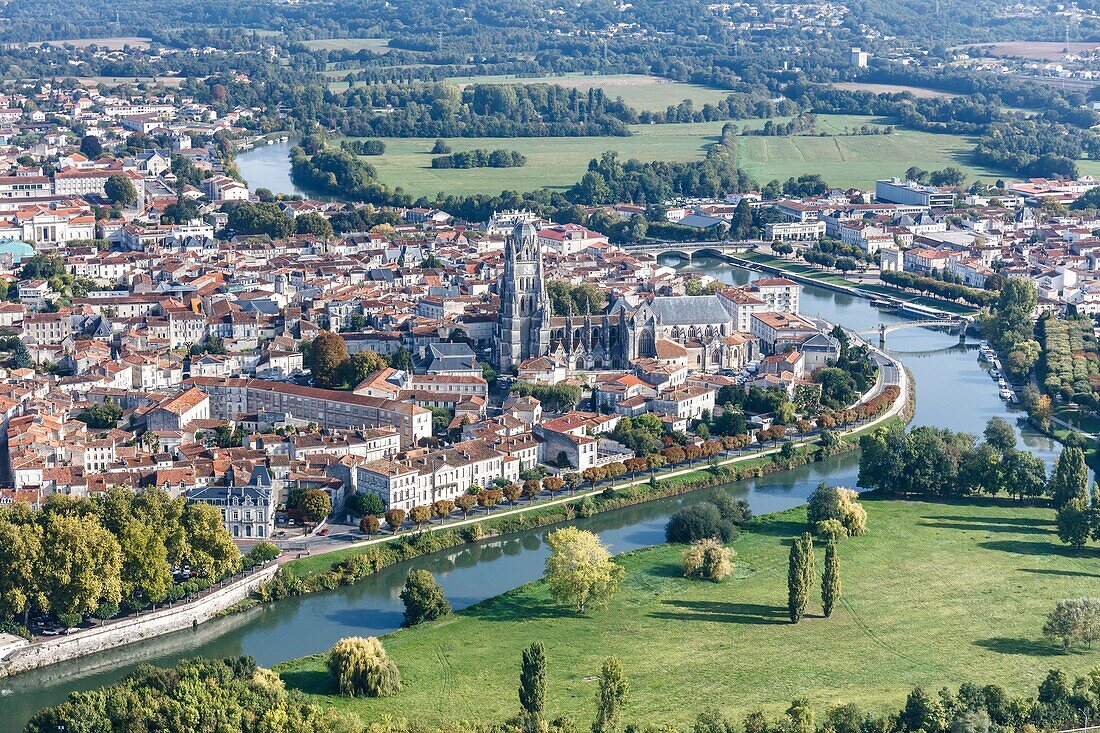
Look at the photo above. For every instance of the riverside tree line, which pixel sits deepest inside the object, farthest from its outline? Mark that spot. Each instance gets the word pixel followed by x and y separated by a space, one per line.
pixel 76 557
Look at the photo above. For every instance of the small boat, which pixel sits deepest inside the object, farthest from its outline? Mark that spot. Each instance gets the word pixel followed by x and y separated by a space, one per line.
pixel 270 142
pixel 994 373
pixel 284 139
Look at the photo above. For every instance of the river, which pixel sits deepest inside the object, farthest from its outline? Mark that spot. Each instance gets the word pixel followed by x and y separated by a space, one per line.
pixel 953 391
pixel 268 166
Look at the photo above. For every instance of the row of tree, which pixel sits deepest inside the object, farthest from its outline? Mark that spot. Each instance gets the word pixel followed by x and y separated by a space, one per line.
pixel 76 557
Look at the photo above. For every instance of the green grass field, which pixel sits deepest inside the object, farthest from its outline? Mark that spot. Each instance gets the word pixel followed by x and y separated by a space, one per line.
pixel 553 162
pixel 643 93
pixel 377 45
pixel 847 160
pixel 935 595
pixel 918 92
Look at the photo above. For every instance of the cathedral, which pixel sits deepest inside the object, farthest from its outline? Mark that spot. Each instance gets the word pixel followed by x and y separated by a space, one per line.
pixel 698 331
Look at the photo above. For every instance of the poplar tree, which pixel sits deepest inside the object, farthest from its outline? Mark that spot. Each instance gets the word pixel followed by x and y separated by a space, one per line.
pixel 830 579
pixel 532 680
pixel 1070 479
pixel 797 590
pixel 610 697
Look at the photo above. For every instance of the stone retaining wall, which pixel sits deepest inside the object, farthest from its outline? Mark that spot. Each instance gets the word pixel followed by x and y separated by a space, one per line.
pixel 126 631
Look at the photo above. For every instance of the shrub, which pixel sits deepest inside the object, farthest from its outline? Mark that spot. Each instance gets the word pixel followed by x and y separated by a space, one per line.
pixel 360 667
pixel 699 522
pixel 708 559
pixel 831 529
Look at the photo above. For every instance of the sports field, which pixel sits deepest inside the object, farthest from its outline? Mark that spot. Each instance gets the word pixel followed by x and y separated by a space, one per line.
pixel 643 93
pixel 846 160
pixel 934 595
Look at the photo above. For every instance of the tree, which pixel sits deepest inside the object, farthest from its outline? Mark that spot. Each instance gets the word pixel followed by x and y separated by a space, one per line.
pixel 466 502
pixel 81 564
pixel 1062 623
pixel 1023 474
pixel 360 667
pixel 1075 523
pixel 369 525
pixel 489 498
pixel 423 598
pixel 420 515
pixel 326 357
pixel 91 147
pixel 709 559
pixel 580 569
pixel 1000 435
pixel 313 223
pixel 610 697
pixel 365 503
pixel 830 579
pixel 209 548
pixel 532 680
pixel 512 492
pixel 799 564
pixel 21 589
pixel 921 713
pixel 315 505
pixel 120 189
pixel 699 522
pixel 102 416
pixel 1070 478
pixel 394 519
pixel 442 509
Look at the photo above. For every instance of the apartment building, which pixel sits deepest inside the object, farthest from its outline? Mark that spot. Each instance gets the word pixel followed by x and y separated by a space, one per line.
pixel 328 408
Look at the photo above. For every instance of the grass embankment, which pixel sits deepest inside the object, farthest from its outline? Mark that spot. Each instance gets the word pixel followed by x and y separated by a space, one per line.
pixel 936 594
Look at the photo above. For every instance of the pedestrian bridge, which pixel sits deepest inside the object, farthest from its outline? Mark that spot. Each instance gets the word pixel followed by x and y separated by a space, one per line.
pixel 959 324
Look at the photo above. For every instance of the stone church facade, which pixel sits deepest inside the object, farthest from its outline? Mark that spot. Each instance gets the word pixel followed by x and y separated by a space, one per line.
pixel 625 331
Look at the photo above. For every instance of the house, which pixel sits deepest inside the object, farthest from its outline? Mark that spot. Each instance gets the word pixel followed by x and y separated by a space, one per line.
pixel 175 413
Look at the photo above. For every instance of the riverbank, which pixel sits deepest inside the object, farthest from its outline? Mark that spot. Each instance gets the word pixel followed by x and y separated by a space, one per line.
pixel 347 564
pixel 920 306
pixel 953 392
pixel 908 613
pixel 166 620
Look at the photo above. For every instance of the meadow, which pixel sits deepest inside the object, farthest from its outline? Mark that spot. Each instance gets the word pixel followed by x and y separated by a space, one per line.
pixel 377 45
pixel 643 93
pixel 918 92
pixel 936 594
pixel 843 160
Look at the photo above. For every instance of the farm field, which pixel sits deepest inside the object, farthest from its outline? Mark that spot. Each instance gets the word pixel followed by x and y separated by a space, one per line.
pixel 643 93
pixel 918 92
pixel 935 595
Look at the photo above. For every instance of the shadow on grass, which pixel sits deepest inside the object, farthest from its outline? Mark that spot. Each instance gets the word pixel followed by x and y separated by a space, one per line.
pixel 1060 573
pixel 1024 547
pixel 738 613
pixel 666 570
pixel 515 607
pixel 968 526
pixel 311 681
pixel 777 528
pixel 1029 647
pixel 1017 521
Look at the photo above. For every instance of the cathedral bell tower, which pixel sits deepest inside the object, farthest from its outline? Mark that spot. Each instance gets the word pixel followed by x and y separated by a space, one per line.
pixel 523 324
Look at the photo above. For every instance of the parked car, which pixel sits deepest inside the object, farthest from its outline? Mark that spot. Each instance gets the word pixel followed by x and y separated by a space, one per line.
pixel 324 532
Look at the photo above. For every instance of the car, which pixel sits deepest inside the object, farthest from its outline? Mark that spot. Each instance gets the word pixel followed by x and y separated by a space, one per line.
pixel 324 532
